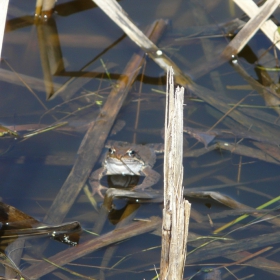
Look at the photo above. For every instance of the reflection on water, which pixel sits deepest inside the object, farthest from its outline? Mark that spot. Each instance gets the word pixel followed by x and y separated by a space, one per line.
pixel 64 70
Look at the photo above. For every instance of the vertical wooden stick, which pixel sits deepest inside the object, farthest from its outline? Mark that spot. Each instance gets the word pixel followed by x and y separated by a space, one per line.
pixel 176 210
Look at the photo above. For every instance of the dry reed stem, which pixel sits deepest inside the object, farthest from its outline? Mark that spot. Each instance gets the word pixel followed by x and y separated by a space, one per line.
pixel 44 8
pixel 3 15
pixel 250 28
pixel 119 16
pixel 38 7
pixel 269 28
pixel 211 97
pixel 176 210
pixel 92 244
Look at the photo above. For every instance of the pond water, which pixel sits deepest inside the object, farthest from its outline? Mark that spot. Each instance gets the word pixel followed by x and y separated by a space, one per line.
pixel 82 49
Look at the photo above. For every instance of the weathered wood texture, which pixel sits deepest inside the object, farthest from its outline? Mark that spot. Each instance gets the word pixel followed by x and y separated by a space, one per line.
pixel 250 28
pixel 176 211
pixel 44 7
pixel 269 28
pixel 119 16
pixel 114 11
pixel 165 62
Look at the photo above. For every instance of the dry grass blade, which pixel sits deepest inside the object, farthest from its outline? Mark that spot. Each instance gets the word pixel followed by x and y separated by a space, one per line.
pixel 270 150
pixel 245 215
pixel 44 129
pixel 221 102
pixel 269 27
pixel 268 92
pixel 126 218
pixel 250 28
pixel 218 101
pixel 266 264
pixel 117 14
pixel 225 249
pixel 11 269
pixel 246 151
pixel 20 77
pixel 85 248
pixel 17 79
pixel 70 87
pixel 81 276
pixel 6 131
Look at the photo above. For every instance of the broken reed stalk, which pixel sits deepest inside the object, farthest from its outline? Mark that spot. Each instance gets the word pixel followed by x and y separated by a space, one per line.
pixel 113 10
pixel 3 15
pixel 118 15
pixel 269 28
pixel 176 211
pixel 44 8
pixel 90 245
pixel 250 28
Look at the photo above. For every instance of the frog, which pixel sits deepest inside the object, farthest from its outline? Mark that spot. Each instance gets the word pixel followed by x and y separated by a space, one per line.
pixel 124 158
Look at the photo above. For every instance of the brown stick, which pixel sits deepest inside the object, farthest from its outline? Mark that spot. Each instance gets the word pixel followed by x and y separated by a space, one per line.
pixel 68 255
pixel 97 134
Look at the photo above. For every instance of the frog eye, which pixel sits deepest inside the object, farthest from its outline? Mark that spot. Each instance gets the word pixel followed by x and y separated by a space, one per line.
pixel 131 153
pixel 112 151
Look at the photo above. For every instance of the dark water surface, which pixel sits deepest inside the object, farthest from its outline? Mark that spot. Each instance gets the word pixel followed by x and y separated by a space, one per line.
pixel 33 171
